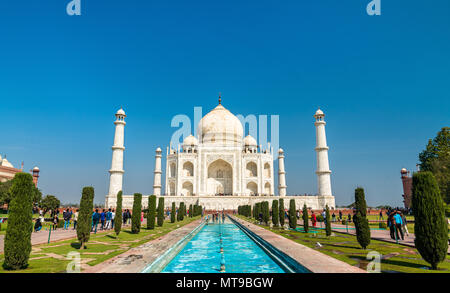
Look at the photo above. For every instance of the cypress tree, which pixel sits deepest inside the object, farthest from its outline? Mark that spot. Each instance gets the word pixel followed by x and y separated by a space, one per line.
pixel 136 216
pixel 183 211
pixel 328 222
pixel 275 213
pixel 430 225
pixel 17 246
pixel 361 223
pixel 84 224
pixel 151 212
pixel 292 215
pixel 160 215
pixel 281 208
pixel 173 213
pixel 265 212
pixel 118 218
pixel 190 211
pixel 305 218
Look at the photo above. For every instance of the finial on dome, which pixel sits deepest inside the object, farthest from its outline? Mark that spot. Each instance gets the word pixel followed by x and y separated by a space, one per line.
pixel 220 98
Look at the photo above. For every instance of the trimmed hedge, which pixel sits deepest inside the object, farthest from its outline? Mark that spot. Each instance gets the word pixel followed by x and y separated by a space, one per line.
pixel 151 214
pixel 84 223
pixel 118 218
pixel 17 246
pixel 160 214
pixel 136 215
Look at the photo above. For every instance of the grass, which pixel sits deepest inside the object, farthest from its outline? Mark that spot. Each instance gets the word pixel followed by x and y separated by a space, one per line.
pixel 344 247
pixel 100 248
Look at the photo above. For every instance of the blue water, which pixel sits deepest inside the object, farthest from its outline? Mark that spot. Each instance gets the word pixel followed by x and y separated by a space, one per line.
pixel 241 254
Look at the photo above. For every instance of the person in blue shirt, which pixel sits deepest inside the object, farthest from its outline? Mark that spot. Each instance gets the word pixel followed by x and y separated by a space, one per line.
pixel 108 219
pixel 398 224
pixel 102 219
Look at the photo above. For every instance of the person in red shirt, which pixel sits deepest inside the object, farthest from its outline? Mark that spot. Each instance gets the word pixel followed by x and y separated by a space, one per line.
pixel 313 219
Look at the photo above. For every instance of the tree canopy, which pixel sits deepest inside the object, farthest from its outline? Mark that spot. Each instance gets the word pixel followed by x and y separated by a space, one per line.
pixel 49 202
pixel 436 159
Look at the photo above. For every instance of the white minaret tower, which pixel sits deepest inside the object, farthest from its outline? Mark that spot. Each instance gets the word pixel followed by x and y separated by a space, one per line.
pixel 116 178
pixel 158 172
pixel 323 170
pixel 281 174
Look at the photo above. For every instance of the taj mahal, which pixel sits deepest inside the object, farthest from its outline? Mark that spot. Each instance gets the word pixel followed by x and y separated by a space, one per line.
pixel 220 168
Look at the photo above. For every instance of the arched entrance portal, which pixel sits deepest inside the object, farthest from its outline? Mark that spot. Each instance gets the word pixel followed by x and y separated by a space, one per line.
pixel 220 178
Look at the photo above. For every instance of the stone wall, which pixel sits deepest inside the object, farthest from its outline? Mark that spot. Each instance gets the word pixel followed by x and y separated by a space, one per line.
pixel 228 202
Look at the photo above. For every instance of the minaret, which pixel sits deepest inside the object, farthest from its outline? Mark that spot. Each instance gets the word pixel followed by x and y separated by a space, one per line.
pixel 323 170
pixel 158 172
pixel 35 172
pixel 116 178
pixel 281 174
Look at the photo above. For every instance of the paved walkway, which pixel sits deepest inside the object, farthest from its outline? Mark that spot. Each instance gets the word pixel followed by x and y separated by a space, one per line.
pixel 383 235
pixel 313 260
pixel 41 237
pixel 136 259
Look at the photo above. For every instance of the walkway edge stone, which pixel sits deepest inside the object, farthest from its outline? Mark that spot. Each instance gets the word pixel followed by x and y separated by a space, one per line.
pixel 311 259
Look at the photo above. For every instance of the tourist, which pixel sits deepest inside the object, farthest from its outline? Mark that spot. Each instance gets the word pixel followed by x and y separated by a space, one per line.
pixel 113 216
pixel 381 215
pixel 102 219
pixel 95 220
pixel 55 222
pixel 398 224
pixel 340 215
pixel 129 217
pixel 75 219
pixel 349 218
pixel 313 219
pixel 124 216
pixel 298 215
pixel 38 225
pixel 333 217
pixel 404 224
pixel 142 217
pixel 390 224
pixel 67 216
pixel 108 216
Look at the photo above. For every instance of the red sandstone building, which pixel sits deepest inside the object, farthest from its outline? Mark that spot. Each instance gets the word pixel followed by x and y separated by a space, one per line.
pixel 407 187
pixel 7 171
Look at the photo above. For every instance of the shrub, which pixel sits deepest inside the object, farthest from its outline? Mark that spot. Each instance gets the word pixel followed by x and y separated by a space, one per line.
pixel 84 223
pixel 319 218
pixel 430 224
pixel 281 211
pixel 265 212
pixel 160 215
pixel 305 218
pixel 173 212
pixel 362 227
pixel 328 222
pixel 17 246
pixel 118 217
pixel 136 215
pixel 151 212
pixel 275 213
pixel 344 222
pixel 292 215
pixel 381 225
pixel 190 211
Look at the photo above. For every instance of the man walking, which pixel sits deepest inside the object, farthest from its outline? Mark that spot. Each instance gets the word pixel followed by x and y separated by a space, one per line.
pixel 398 224
pixel 67 215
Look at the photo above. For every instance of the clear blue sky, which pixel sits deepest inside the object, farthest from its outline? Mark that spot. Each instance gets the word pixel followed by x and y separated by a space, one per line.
pixel 382 81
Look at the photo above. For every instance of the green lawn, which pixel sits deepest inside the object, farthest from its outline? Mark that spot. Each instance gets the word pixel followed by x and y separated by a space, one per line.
pixel 344 247
pixel 100 248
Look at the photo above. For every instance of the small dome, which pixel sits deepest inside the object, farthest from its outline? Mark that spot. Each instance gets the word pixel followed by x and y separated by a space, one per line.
pixel 121 112
pixel 403 171
pixel 250 141
pixel 6 163
pixel 36 169
pixel 190 140
pixel 280 151
pixel 319 113
pixel 158 149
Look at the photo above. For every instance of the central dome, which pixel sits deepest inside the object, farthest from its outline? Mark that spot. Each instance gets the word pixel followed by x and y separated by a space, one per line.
pixel 220 126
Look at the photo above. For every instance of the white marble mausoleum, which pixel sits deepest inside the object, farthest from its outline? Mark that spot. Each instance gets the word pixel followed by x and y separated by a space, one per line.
pixel 220 168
